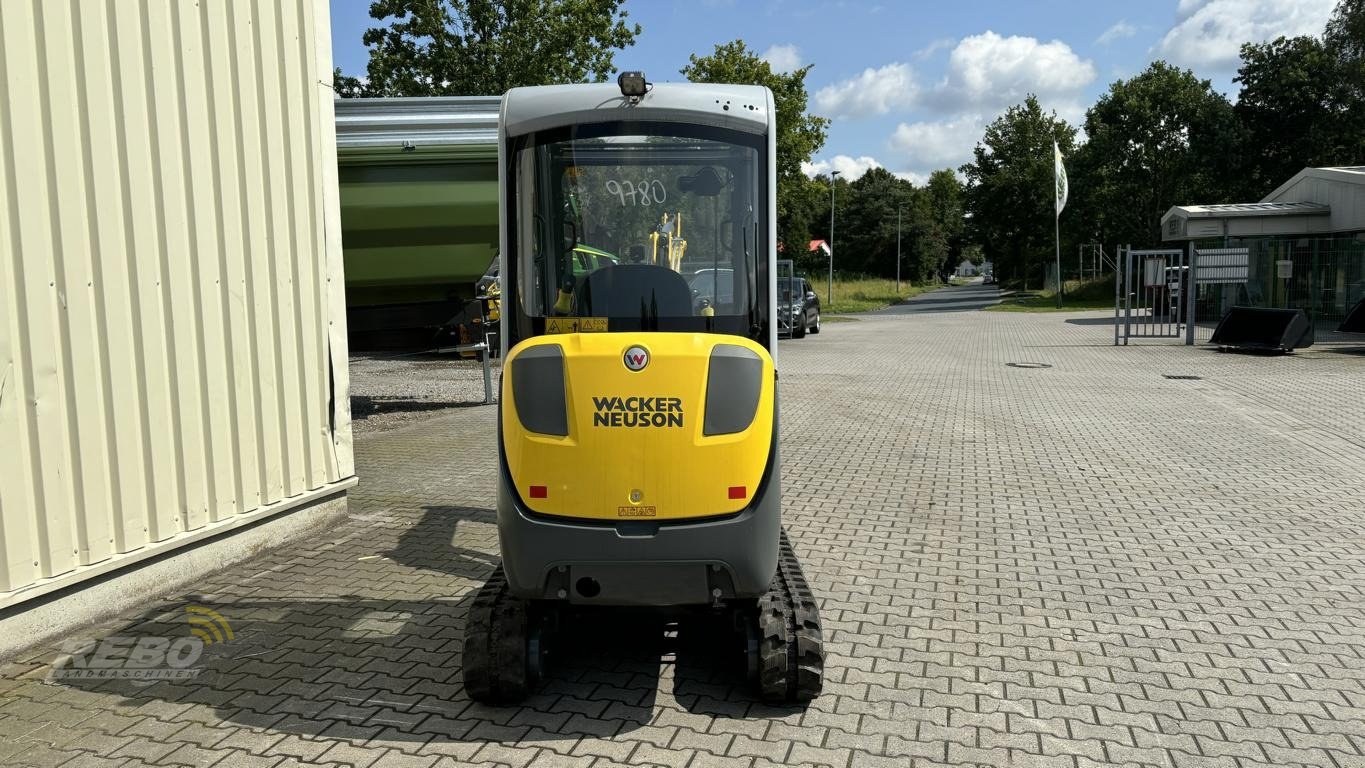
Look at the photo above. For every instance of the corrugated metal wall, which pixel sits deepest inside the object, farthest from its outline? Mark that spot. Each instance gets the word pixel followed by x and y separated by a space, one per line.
pixel 172 321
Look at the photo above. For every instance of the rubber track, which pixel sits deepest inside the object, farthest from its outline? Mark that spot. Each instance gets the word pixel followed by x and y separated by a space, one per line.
pixel 494 657
pixel 791 654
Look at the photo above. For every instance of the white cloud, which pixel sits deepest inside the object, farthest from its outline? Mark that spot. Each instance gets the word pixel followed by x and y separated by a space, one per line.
pixel 848 167
pixel 783 58
pixel 926 146
pixel 934 47
pixel 1119 31
pixel 918 179
pixel 985 74
pixel 1209 33
pixel 874 92
pixel 989 72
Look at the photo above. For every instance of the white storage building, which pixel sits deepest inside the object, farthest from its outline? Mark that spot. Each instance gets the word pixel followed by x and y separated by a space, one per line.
pixel 1305 244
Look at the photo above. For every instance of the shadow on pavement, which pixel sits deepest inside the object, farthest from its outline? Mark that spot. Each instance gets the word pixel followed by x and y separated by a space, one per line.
pixel 361 669
pixel 430 544
pixel 365 667
pixel 1341 348
pixel 363 407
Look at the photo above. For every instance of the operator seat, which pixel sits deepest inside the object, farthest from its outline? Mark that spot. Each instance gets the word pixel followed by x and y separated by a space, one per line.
pixel 633 290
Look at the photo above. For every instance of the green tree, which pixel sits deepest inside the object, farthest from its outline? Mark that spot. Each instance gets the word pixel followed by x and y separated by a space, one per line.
pixel 471 47
pixel 1345 39
pixel 799 135
pixel 1159 139
pixel 924 242
pixel 945 199
pixel 1009 194
pixel 1301 99
pixel 806 202
pixel 820 198
pixel 866 229
pixel 1294 109
pixel 1345 34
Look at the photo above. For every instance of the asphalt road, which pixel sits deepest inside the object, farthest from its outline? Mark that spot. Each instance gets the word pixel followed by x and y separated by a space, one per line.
pixel 964 298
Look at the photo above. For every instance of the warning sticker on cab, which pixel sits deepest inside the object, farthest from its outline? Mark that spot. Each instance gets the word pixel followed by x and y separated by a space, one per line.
pixel 575 325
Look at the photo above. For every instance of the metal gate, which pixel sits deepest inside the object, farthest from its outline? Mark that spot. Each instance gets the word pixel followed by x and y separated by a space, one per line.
pixel 786 284
pixel 1149 294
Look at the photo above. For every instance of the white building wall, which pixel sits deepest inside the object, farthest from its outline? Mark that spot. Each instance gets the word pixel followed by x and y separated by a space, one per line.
pixel 172 319
pixel 1343 191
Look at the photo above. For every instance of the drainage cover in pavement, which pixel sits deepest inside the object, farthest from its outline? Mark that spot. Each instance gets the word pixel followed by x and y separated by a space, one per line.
pixel 1029 365
pixel 1182 377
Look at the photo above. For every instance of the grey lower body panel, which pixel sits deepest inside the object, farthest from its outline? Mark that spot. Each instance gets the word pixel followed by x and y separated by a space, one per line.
pixel 635 563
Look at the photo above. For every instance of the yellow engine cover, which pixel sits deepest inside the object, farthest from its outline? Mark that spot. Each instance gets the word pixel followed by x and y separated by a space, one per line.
pixel 635 448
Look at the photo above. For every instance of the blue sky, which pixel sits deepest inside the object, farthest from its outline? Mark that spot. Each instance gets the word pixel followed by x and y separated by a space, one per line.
pixel 909 85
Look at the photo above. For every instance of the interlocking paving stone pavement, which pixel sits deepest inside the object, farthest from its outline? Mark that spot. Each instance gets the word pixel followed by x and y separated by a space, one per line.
pixel 1082 565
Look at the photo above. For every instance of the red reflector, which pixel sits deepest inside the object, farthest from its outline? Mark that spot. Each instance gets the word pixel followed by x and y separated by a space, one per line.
pixel 738 492
pixel 539 492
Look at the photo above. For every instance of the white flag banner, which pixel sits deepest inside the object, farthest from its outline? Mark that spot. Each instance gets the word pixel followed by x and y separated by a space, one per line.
pixel 1059 174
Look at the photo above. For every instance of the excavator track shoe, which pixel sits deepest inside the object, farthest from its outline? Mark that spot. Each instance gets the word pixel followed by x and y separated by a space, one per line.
pixel 790 653
pixel 498 667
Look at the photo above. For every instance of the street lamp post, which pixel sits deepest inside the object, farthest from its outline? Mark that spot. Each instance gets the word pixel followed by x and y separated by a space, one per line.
pixel 898 254
pixel 829 291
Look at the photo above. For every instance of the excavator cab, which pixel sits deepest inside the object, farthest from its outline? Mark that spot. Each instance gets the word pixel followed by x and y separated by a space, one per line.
pixel 638 420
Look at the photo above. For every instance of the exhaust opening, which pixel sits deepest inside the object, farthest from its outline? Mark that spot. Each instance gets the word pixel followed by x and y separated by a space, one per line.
pixel 588 587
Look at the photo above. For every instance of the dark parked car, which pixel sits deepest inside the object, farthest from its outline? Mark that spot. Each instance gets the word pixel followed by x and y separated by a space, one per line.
pixel 714 288
pixel 798 300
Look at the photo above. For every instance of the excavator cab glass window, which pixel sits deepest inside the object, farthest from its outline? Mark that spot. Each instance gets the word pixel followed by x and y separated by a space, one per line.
pixel 641 226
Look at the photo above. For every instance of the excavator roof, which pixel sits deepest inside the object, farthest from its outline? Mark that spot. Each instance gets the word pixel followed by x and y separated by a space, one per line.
pixel 747 108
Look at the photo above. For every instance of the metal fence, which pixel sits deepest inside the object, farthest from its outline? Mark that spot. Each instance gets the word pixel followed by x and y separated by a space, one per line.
pixel 1148 294
pixel 1324 276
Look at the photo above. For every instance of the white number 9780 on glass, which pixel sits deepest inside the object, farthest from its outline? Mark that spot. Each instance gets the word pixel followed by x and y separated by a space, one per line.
pixel 648 192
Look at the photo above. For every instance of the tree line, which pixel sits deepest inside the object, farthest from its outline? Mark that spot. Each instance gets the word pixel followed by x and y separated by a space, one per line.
pixel 1163 137
pixel 1166 137
pixel 471 47
pixel 930 227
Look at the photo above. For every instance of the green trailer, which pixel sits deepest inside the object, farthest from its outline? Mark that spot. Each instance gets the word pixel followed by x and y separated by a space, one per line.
pixel 419 214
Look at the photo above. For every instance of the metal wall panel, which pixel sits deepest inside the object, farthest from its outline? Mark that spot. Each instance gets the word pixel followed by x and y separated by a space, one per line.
pixel 172 310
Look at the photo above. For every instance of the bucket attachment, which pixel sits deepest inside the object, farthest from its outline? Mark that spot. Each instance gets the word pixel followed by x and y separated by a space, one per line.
pixel 1355 319
pixel 1262 329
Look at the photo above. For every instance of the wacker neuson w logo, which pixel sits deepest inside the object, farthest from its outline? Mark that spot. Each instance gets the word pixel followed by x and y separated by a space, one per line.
pixel 637 412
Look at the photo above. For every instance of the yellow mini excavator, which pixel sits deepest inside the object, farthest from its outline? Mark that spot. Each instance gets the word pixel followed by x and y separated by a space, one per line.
pixel 638 420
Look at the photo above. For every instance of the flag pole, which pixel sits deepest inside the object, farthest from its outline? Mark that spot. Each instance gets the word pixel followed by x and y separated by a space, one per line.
pixel 1058 201
pixel 1057 239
